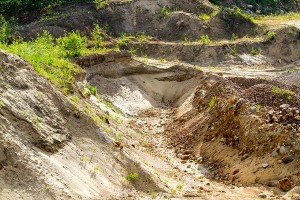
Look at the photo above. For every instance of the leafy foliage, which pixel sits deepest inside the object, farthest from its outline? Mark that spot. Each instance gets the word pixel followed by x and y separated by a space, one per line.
pixel 47 58
pixel 132 177
pixel 5 29
pixel 73 44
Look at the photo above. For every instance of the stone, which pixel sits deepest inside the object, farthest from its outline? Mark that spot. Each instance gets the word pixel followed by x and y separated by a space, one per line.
pixel 288 159
pixel 262 195
pixel 283 150
pixel 185 157
pixel 284 106
pixel 285 184
pixel 265 165
pixel 273 183
pixel 236 171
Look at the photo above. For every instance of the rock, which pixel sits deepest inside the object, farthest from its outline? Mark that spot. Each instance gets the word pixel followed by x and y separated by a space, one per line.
pixel 285 184
pixel 284 106
pixel 185 157
pixel 288 159
pixel 265 165
pixel 274 154
pixel 252 109
pixel 273 183
pixel 262 195
pixel 189 166
pixel 297 117
pixel 283 150
pixel 245 156
pixel 235 171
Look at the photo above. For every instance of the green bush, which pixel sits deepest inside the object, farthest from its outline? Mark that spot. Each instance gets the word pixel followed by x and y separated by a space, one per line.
pixel 5 29
pixel 92 89
pixel 97 38
pixel 271 35
pixel 132 177
pixel 72 44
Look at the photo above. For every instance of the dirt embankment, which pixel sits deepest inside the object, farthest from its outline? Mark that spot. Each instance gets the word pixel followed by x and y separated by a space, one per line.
pixel 245 126
pixel 51 148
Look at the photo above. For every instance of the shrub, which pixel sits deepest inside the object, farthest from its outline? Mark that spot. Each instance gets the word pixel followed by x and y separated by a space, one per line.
pixel 271 35
pixel 212 102
pixel 72 44
pixel 204 39
pixel 254 51
pixel 100 3
pixel 283 92
pixel 132 177
pixel 5 29
pixel 92 89
pixel 97 38
pixel 165 11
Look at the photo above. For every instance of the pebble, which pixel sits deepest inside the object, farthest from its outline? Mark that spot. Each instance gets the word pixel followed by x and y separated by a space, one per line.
pixel 265 165
pixel 262 195
pixel 288 159
pixel 283 150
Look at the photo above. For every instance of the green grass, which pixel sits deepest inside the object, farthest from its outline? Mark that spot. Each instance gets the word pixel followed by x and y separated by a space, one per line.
pixel 47 58
pixel 101 3
pixel 283 92
pixel 212 102
pixel 286 16
pixel 132 177
pixel 204 39
pixel 270 35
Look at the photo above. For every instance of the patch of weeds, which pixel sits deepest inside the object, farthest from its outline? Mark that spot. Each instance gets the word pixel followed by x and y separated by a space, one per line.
pixel 132 51
pixel 118 137
pixel 75 99
pixel 173 191
pixel 47 58
pixel 142 38
pixel 162 59
pixel 73 44
pixel 92 89
pixel 254 51
pixel 123 40
pixel 100 3
pixel 132 177
pixel 258 107
pixel 6 29
pixel 164 11
pixel 96 168
pixel 85 158
pixel 97 37
pixel 204 16
pixel 283 92
pixel 36 121
pixel 234 37
pixel 179 186
pixel 204 39
pixel 1 104
pixel 212 102
pixel 186 39
pixel 270 35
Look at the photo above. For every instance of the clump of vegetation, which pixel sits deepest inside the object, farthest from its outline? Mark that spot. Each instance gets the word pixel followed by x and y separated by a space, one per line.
pixel 124 40
pixel 1 103
pixel 234 37
pixel 100 3
pixel 212 102
pixel 47 58
pixel 254 51
pixel 164 11
pixel 92 89
pixel 97 38
pixel 271 35
pixel 73 44
pixel 132 177
pixel 204 39
pixel 283 92
pixel 5 29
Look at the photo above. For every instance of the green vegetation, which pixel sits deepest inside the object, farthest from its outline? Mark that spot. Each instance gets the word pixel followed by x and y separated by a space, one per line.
pixel 123 40
pixel 1 103
pixel 165 11
pixel 234 37
pixel 254 51
pixel 5 29
pixel 48 58
pixel 101 3
pixel 271 35
pixel 73 44
pixel 283 92
pixel 258 107
pixel 207 16
pixel 212 102
pixel 97 37
pixel 132 177
pixel 204 39
pixel 92 89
